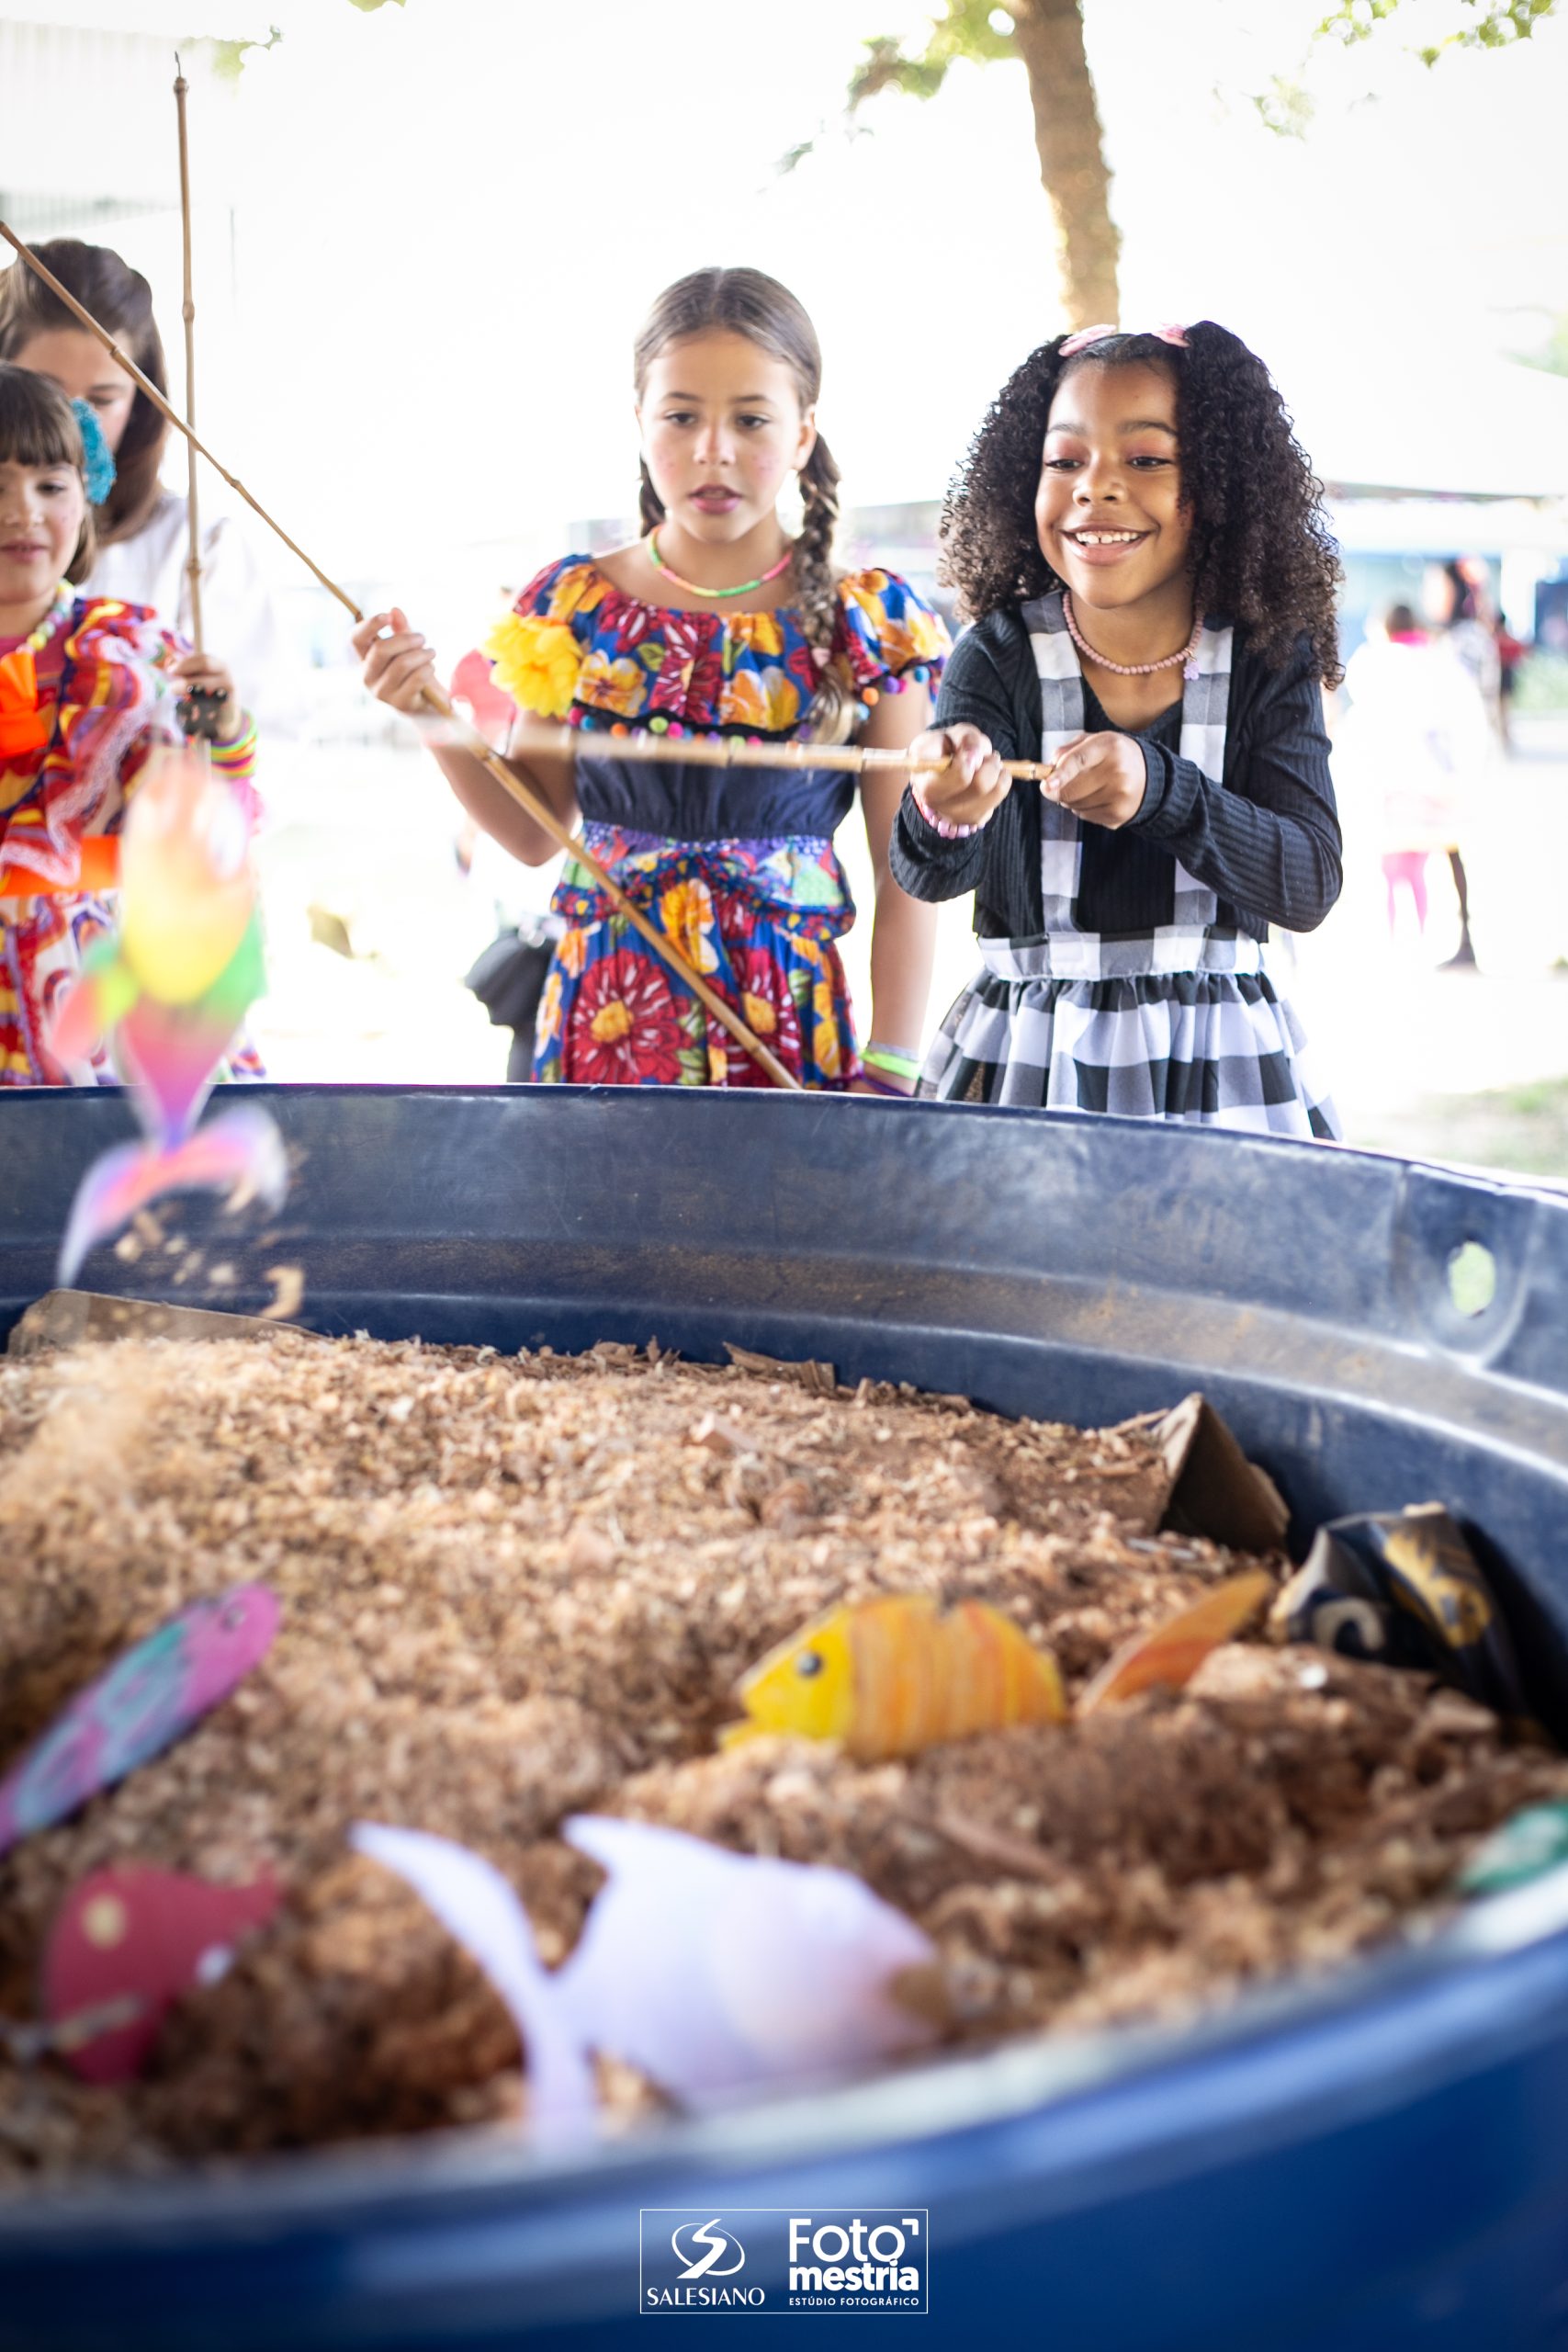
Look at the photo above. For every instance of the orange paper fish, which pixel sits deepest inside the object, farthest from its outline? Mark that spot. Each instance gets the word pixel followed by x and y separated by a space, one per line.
pixel 1172 1653
pixel 889 1677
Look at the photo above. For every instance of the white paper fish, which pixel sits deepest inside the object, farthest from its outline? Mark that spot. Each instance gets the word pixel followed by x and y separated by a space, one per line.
pixel 710 1972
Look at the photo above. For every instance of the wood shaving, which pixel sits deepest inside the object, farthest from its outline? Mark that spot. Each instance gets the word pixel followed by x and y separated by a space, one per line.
pixel 517 1588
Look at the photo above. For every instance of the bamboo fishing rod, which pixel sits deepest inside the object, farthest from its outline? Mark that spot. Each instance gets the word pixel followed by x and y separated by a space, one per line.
pixel 193 559
pixel 726 752
pixel 467 737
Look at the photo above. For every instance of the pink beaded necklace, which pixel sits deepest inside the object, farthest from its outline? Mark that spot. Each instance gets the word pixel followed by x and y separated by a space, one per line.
pixel 1186 660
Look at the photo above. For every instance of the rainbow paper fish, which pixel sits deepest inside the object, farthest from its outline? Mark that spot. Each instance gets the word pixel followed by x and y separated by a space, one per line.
pixel 138 1708
pixel 125 1944
pixel 711 1972
pixel 173 987
pixel 1169 1655
pixel 889 1677
pixel 1404 1588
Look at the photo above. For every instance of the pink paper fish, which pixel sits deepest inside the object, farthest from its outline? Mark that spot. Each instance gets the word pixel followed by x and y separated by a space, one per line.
pixel 127 1943
pixel 138 1708
pixel 711 1972
pixel 173 986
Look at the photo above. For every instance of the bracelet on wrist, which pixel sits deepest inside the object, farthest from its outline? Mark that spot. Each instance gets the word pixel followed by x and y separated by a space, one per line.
pixel 942 826
pixel 240 745
pixel 891 1058
pixel 881 1085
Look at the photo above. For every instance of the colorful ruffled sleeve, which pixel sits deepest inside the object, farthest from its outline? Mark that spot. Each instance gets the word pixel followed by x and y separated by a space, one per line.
pixel 890 634
pixel 537 649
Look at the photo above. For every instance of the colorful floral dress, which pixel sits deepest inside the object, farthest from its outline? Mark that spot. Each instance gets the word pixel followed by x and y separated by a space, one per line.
pixel 104 705
pixel 736 868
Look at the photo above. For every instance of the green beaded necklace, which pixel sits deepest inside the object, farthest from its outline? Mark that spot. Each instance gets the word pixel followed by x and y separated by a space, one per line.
pixel 691 587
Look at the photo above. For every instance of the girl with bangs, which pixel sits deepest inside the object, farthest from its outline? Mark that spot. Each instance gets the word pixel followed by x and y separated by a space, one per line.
pixel 716 622
pixel 1138 540
pixel 88 690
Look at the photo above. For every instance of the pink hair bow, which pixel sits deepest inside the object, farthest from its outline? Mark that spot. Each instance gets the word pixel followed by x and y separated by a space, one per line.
pixel 1086 335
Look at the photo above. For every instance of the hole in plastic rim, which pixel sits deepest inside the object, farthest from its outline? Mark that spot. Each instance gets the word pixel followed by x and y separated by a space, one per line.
pixel 1473 1278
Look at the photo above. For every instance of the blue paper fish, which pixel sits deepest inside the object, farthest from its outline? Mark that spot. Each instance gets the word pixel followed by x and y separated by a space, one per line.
pixel 138 1707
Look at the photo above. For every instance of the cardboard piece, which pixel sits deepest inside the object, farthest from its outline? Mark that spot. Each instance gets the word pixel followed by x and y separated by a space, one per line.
pixel 65 1319
pixel 1214 1489
pixel 818 1379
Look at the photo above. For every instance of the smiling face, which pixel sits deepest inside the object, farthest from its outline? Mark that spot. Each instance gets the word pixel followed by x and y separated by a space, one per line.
pixel 1108 509
pixel 723 429
pixel 42 509
pixel 83 371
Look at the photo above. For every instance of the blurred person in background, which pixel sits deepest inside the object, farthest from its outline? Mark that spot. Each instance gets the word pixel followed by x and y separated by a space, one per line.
pixel 142 528
pixel 1458 601
pixel 1414 730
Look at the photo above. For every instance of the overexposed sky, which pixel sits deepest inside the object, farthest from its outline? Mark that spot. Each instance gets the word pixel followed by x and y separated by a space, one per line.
pixel 447 218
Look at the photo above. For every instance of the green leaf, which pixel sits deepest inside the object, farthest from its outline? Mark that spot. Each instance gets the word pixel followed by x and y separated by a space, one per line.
pixel 228 56
pixel 977 29
pixel 1492 24
pixel 1286 107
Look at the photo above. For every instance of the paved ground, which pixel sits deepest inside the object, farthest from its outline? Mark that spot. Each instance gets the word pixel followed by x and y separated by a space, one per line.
pixel 1470 1067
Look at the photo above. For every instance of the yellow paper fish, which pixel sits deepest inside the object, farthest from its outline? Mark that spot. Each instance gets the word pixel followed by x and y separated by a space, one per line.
pixel 1171 1653
pixel 889 1677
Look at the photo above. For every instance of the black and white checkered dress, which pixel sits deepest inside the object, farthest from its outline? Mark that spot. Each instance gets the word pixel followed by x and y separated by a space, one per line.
pixel 1180 1022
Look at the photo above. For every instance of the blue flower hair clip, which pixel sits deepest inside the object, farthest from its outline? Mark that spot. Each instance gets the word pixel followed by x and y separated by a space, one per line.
pixel 97 457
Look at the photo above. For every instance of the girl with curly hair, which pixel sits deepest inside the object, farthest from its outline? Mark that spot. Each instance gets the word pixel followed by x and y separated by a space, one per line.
pixel 715 622
pixel 1137 539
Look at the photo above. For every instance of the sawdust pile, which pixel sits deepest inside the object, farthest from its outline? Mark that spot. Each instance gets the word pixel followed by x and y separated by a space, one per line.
pixel 517 1588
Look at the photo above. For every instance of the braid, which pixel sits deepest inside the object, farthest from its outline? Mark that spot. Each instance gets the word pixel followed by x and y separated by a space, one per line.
pixel 833 709
pixel 650 506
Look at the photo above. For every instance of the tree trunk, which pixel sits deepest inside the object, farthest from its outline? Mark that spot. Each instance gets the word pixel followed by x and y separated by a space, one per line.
pixel 1049 36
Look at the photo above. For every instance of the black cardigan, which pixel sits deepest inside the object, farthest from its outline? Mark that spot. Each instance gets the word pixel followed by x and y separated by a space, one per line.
pixel 1265 840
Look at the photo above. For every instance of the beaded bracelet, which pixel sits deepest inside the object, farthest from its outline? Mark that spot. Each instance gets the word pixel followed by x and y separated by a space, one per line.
pixel 944 826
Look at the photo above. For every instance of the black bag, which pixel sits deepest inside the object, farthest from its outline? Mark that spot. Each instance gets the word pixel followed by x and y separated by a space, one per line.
pixel 509 977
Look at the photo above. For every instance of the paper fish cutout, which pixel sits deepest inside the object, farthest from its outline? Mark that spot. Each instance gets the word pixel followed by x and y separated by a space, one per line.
pixel 1526 1848
pixel 134 1940
pixel 1170 1654
pixel 139 1707
pixel 1404 1588
pixel 710 1972
pixel 240 1152
pixel 889 1677
pixel 173 987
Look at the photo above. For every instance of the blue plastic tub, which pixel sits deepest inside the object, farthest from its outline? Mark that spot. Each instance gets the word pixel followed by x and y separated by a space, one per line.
pixel 1380 2163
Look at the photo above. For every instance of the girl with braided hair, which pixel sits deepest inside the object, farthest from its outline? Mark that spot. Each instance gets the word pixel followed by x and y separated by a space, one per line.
pixel 714 622
pixel 1138 540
